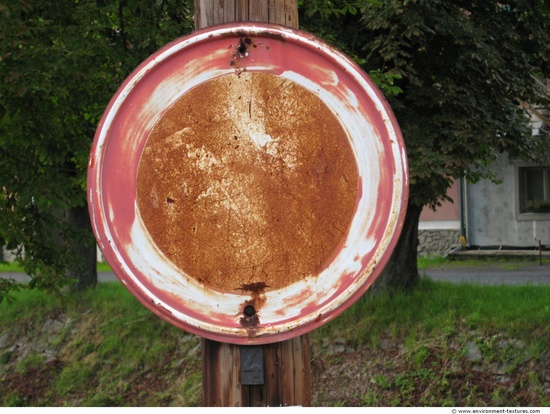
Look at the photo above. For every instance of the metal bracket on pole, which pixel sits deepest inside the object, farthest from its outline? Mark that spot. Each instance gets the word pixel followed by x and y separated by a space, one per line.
pixel 252 365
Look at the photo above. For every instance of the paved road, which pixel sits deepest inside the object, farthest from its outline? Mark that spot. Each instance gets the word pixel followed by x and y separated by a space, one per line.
pixel 493 274
pixel 22 277
pixel 490 274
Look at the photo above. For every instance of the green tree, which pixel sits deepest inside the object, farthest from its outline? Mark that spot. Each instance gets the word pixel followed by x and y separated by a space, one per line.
pixel 452 70
pixel 456 72
pixel 60 63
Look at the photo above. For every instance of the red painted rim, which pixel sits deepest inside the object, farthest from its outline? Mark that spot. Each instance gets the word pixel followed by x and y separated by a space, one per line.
pixel 146 95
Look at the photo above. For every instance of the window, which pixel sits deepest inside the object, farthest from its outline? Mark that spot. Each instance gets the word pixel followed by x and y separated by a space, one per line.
pixel 534 188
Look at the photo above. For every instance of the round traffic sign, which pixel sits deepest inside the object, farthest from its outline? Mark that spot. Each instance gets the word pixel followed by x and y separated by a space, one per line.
pixel 247 183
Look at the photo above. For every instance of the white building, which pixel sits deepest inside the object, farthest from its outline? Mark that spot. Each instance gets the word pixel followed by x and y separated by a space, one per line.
pixel 514 214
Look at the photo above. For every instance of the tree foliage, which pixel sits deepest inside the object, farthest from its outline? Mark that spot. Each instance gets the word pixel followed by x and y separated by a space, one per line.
pixel 453 72
pixel 60 63
pixel 457 72
pixel 461 67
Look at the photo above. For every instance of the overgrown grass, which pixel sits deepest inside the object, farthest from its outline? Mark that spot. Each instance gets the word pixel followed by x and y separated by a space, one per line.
pixel 32 304
pixel 449 345
pixel 109 345
pixel 441 308
pixel 110 350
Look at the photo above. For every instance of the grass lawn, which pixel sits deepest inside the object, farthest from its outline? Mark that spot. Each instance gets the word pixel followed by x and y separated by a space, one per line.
pixel 441 345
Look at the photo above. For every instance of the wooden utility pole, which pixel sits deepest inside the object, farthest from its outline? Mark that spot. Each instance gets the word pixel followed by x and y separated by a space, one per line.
pixel 210 12
pixel 276 374
pixel 286 374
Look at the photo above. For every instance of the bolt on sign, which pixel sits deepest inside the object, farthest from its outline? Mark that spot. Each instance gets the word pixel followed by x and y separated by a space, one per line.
pixel 247 183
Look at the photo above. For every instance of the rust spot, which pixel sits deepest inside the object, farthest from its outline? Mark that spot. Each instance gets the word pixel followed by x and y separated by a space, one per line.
pixel 250 308
pixel 259 216
pixel 276 36
pixel 245 36
pixel 257 287
pixel 249 322
pixel 242 49
pixel 250 317
pixel 257 301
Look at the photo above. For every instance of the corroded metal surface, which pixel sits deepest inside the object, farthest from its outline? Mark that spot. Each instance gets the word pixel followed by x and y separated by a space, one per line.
pixel 232 185
pixel 247 183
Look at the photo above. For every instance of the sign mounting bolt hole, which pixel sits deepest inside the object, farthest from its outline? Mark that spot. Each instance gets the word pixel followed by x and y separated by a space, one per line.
pixel 249 311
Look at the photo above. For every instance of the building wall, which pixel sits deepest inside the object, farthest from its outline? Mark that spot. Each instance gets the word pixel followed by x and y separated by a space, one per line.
pixel 437 242
pixel 493 211
pixel 439 230
pixel 448 211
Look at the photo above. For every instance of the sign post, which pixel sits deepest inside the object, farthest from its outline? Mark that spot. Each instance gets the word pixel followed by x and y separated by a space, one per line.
pixel 248 183
pixel 273 374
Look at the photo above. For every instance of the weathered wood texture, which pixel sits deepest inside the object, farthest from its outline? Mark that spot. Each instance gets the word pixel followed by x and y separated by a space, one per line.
pixel 211 12
pixel 287 379
pixel 286 368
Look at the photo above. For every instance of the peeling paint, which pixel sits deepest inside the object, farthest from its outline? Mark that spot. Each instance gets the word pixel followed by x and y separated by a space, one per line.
pixel 231 265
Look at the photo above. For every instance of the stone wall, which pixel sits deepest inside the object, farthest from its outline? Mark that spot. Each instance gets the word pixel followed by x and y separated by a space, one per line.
pixel 437 242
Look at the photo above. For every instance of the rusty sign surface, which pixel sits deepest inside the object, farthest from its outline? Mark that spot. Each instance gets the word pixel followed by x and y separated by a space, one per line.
pixel 247 183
